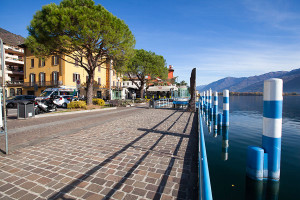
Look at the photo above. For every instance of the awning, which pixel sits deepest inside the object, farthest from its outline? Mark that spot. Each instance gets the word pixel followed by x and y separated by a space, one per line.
pixel 162 88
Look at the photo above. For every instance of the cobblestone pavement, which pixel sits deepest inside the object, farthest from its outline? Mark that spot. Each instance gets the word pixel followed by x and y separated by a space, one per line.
pixel 149 154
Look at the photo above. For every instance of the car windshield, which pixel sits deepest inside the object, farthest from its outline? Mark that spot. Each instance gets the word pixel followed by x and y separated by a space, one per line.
pixel 46 93
pixel 11 98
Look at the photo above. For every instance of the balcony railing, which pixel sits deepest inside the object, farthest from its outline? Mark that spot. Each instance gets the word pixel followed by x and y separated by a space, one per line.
pixel 43 84
pixel 16 49
pixel 14 83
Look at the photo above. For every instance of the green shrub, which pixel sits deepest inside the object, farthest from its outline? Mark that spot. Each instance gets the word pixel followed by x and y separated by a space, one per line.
pixel 77 104
pixel 99 102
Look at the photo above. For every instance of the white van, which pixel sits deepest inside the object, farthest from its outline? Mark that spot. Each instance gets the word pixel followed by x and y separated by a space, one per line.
pixel 52 92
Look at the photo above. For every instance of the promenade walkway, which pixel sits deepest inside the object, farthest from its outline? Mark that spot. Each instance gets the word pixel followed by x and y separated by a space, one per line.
pixel 150 154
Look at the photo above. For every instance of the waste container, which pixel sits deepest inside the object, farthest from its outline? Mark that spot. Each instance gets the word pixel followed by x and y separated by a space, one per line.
pixel 151 103
pixel 25 109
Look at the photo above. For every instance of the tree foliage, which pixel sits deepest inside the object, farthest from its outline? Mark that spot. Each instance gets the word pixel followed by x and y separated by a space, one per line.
pixel 85 33
pixel 146 63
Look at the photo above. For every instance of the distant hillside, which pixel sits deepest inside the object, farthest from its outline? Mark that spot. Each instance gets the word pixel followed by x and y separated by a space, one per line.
pixel 291 82
pixel 200 87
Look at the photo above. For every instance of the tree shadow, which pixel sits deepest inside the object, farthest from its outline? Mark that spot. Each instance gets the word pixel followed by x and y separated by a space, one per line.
pixel 60 194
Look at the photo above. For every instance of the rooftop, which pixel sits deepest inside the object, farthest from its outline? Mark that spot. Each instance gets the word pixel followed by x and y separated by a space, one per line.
pixel 10 38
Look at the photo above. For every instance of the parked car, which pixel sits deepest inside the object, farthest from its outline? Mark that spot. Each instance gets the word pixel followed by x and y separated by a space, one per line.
pixel 62 100
pixel 11 102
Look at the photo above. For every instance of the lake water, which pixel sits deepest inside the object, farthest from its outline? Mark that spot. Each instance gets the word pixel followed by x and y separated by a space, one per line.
pixel 228 171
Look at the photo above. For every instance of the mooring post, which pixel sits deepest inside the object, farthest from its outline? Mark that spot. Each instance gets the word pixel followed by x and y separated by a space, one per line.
pixel 207 100
pixel 225 108
pixel 255 163
pixel 272 125
pixel 215 111
pixel 210 98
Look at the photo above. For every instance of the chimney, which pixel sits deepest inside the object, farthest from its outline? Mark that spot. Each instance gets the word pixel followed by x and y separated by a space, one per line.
pixel 170 67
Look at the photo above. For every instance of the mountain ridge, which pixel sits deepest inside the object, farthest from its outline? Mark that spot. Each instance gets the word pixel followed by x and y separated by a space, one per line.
pixel 291 82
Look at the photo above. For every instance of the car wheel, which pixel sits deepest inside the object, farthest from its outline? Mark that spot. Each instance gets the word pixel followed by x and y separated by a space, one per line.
pixel 10 105
pixel 64 105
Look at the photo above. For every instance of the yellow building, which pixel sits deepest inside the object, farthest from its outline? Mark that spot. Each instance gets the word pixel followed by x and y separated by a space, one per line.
pixel 54 72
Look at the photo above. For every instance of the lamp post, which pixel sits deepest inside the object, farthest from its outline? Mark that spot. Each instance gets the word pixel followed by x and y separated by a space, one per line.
pixel 4 95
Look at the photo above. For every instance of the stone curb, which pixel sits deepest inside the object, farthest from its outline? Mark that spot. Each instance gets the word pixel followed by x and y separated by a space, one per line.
pixel 73 112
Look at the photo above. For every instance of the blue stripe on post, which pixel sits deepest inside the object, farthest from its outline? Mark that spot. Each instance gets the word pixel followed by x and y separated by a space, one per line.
pixel 225 99
pixel 273 109
pixel 255 162
pixel 272 146
pixel 225 118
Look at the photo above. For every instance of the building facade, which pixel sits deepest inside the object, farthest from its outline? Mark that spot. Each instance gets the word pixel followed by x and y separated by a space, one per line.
pixel 53 72
pixel 14 62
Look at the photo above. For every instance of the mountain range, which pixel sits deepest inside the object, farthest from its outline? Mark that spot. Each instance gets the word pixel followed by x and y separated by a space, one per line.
pixel 291 82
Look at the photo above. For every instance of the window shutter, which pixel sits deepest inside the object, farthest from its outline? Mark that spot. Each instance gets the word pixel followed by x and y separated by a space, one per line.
pixel 74 77
pixel 52 60
pixel 78 76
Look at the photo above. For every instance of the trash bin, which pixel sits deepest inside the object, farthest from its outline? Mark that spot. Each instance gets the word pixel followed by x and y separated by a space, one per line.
pixel 25 109
pixel 152 103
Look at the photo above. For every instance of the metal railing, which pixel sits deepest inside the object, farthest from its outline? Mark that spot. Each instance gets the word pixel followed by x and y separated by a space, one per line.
pixel 43 84
pixel 204 179
pixel 14 83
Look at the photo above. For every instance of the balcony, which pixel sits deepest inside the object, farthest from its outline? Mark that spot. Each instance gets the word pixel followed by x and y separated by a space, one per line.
pixel 14 83
pixel 43 84
pixel 14 50
pixel 14 59
pixel 15 71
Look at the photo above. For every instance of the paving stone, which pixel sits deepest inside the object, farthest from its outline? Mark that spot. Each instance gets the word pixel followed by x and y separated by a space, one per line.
pixel 126 160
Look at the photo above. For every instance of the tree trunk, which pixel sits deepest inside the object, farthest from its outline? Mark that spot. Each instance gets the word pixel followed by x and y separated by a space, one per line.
pixel 142 90
pixel 89 93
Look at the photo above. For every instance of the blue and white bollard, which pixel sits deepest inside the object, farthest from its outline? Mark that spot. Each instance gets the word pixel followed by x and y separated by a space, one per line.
pixel 207 100
pixel 210 98
pixel 225 108
pixel 272 125
pixel 215 111
pixel 255 163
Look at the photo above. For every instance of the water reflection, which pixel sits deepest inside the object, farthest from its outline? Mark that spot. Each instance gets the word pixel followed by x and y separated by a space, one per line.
pixel 225 143
pixel 258 190
pixel 215 128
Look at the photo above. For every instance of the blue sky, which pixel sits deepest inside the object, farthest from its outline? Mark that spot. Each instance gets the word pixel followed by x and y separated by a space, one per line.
pixel 220 38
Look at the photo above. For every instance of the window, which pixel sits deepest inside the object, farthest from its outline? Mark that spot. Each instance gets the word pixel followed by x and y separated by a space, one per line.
pixel 55 78
pixel 32 63
pixel 127 83
pixel 123 83
pixel 99 81
pixel 114 73
pixel 42 79
pixel 19 91
pixel 11 92
pixel 54 60
pixel 114 83
pixel 99 68
pixel 32 79
pixel 76 77
pixel 42 62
